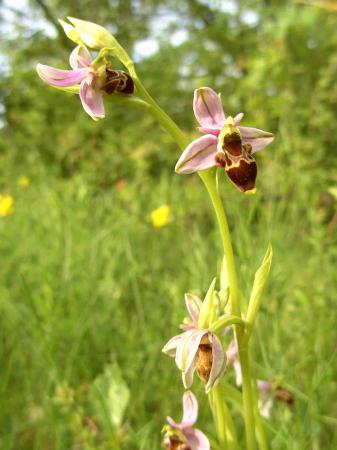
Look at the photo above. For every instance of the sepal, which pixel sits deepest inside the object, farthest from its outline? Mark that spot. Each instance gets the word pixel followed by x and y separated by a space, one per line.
pixel 71 32
pixel 70 89
pixel 97 37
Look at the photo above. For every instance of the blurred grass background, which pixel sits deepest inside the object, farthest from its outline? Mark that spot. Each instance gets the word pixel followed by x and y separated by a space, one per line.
pixel 90 291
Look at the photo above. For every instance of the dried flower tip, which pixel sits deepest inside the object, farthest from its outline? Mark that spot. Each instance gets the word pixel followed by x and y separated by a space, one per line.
pixel 204 359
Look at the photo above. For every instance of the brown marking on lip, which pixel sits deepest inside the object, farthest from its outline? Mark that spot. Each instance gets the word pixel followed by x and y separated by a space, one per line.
pixel 232 143
pixel 204 360
pixel 118 81
pixel 220 160
pixel 174 443
pixel 242 173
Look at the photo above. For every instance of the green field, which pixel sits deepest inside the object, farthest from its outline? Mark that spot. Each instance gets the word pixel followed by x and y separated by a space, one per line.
pixel 90 291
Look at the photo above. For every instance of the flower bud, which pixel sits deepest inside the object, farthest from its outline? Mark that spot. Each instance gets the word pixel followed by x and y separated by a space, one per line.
pixel 71 32
pixel 91 34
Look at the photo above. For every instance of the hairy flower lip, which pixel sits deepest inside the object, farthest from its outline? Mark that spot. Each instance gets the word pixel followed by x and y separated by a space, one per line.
pixel 201 153
pixel 183 432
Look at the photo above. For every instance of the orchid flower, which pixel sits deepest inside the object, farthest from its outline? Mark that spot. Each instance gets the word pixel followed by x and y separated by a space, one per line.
pixel 266 398
pixel 268 391
pixel 225 143
pixel 197 349
pixel 93 78
pixel 182 436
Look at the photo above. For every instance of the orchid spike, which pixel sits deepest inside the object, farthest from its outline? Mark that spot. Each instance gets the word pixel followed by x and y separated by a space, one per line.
pixel 225 143
pixel 197 349
pixel 92 80
pixel 182 436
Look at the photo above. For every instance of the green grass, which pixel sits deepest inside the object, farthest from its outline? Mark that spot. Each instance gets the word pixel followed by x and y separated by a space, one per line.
pixel 90 292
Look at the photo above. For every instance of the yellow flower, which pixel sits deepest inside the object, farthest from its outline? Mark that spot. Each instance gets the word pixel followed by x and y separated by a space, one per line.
pixel 24 181
pixel 6 205
pixel 161 216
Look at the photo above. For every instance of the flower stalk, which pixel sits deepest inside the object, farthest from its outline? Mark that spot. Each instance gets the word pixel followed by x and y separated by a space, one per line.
pixel 225 145
pixel 208 179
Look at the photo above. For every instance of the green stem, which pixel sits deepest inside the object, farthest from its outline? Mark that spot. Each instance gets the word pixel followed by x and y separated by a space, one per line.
pixel 209 180
pixel 166 122
pixel 217 407
pixel 232 439
pixel 248 404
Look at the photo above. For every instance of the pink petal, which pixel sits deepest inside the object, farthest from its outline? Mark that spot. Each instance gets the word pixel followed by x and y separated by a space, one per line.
pixel 199 155
pixel 237 119
pixel 218 362
pixel 207 108
pixel 171 346
pixel 60 78
pixel 197 439
pixel 187 348
pixel 180 350
pixel 266 397
pixel 172 423
pixel 264 386
pixel 238 373
pixel 210 130
pixel 265 407
pixel 258 139
pixel 232 352
pixel 190 408
pixel 188 376
pixel 80 58
pixel 92 100
pixel 193 305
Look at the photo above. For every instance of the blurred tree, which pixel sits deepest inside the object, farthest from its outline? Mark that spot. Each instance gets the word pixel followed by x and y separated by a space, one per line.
pixel 272 60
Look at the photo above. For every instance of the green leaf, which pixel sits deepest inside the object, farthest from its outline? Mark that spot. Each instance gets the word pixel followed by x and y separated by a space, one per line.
pixel 71 32
pixel 110 395
pixel 260 280
pixel 97 37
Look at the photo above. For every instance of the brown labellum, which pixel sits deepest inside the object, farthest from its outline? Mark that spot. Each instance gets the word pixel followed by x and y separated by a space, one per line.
pixel 174 443
pixel 284 395
pixel 242 173
pixel 203 363
pixel 220 160
pixel 232 144
pixel 238 161
pixel 118 81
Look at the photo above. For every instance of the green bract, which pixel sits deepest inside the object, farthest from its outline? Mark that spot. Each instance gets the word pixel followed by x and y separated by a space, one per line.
pixel 207 311
pixel 260 280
